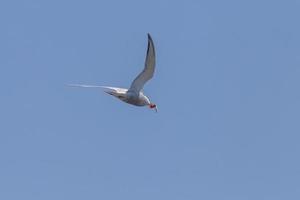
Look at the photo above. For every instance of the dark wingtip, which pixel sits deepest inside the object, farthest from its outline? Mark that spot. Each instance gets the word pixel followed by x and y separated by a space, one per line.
pixel 149 36
pixel 150 46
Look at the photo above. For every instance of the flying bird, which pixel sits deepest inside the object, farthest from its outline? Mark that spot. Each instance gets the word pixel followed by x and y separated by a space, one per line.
pixel 134 95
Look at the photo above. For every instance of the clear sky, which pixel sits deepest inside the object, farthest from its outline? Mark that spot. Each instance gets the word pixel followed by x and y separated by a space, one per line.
pixel 226 85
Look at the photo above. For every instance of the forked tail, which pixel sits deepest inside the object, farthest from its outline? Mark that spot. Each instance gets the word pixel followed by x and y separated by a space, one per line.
pixel 107 89
pixel 86 86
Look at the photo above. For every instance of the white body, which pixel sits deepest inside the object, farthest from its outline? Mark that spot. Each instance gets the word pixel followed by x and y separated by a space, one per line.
pixel 127 96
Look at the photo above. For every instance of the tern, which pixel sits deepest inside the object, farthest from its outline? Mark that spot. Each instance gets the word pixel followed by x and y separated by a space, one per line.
pixel 134 95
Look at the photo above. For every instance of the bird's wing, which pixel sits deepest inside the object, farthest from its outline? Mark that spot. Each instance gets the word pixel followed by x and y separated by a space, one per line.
pixel 148 71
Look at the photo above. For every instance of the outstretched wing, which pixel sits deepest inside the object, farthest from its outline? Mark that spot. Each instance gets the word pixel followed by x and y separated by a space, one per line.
pixel 148 71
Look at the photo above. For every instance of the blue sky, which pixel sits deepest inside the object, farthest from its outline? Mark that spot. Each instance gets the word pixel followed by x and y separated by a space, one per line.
pixel 226 85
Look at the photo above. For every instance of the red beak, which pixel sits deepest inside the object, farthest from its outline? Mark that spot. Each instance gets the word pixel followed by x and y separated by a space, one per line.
pixel 153 106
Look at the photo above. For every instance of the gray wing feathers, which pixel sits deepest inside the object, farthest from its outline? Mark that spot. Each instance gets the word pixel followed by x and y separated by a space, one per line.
pixel 149 68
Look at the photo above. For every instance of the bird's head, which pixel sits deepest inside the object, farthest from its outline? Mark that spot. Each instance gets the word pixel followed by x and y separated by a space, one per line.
pixel 153 106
